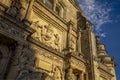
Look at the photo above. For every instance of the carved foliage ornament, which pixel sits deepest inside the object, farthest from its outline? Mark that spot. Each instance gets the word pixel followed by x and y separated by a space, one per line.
pixel 46 35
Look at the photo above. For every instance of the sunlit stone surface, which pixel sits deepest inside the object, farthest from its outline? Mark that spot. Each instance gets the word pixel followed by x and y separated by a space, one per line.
pixel 50 40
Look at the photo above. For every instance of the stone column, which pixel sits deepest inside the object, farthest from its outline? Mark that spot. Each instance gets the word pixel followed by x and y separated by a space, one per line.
pixel 14 70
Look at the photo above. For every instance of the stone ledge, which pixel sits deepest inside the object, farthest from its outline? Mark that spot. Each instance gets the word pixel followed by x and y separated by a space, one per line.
pixel 46 47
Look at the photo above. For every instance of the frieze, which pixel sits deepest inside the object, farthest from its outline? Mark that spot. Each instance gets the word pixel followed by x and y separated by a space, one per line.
pixel 27 75
pixel 51 57
pixel 78 64
pixel 48 35
pixel 10 28
pixel 47 55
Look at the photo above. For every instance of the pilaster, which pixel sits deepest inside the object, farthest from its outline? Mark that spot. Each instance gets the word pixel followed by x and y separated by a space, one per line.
pixel 70 25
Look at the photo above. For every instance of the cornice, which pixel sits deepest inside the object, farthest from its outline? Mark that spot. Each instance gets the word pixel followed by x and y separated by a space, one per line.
pixel 104 68
pixel 76 57
pixel 51 11
pixel 14 29
pixel 43 15
pixel 46 47
pixel 75 4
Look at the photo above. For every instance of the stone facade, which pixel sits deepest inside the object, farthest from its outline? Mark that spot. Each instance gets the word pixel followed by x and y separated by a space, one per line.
pixel 50 40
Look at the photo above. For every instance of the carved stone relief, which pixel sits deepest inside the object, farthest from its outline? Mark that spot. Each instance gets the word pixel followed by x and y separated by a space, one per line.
pixel 47 35
pixel 69 74
pixel 18 8
pixel 27 75
pixel 42 54
pixel 57 73
pixel 73 43
pixel 9 28
pixel 25 59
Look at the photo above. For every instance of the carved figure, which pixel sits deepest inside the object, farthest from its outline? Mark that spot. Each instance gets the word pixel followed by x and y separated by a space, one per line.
pixel 15 9
pixel 57 74
pixel 69 74
pixel 18 8
pixel 47 37
pixel 57 41
pixel 24 59
pixel 39 30
pixel 27 59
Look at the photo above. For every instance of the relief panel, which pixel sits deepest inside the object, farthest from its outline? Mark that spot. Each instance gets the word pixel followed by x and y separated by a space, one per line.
pixel 78 65
pixel 49 63
pixel 47 34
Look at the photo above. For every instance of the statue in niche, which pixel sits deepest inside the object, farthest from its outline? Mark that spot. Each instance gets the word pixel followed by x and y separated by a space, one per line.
pixel 73 44
pixel 47 36
pixel 15 9
pixel 57 74
pixel 18 8
pixel 57 41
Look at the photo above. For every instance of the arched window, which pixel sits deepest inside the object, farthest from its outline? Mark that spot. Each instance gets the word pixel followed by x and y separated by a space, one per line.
pixel 49 3
pixel 57 10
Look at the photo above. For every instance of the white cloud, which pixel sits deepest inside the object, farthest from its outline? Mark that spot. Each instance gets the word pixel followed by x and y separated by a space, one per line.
pixel 103 35
pixel 98 13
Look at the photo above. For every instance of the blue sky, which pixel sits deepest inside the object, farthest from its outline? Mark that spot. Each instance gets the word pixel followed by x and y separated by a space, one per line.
pixel 105 16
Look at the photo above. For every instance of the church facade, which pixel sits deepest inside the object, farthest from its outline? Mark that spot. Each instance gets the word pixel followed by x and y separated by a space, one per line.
pixel 50 40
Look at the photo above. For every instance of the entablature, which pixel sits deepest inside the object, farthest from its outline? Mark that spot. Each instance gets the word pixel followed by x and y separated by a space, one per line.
pixel 13 28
